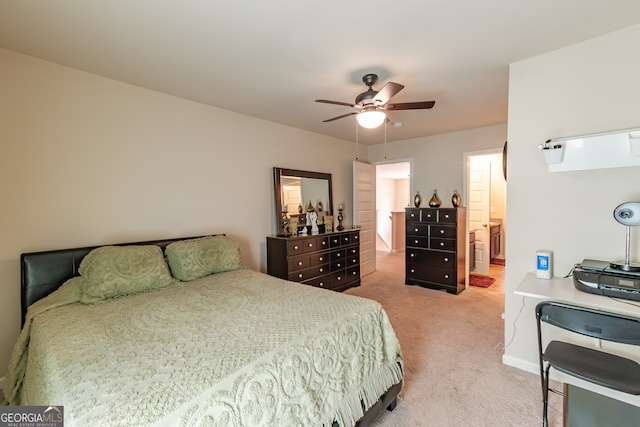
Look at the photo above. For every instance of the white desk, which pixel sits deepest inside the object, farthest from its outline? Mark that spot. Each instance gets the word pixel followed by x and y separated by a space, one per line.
pixel 563 290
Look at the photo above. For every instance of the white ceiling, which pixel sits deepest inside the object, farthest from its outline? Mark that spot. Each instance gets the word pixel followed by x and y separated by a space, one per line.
pixel 272 59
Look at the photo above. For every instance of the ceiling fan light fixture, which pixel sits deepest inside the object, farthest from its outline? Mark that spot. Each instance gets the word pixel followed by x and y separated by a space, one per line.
pixel 371 119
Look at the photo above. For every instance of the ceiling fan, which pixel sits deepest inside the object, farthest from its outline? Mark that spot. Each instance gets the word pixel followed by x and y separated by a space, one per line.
pixel 372 104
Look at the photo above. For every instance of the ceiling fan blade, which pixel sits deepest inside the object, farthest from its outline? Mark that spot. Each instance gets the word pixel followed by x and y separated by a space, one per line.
pixel 341 117
pixel 326 101
pixel 411 105
pixel 387 92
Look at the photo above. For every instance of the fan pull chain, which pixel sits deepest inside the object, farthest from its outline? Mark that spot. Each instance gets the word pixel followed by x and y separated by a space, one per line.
pixel 385 140
pixel 356 122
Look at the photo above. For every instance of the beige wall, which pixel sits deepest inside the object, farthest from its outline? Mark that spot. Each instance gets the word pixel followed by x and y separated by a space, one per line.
pixel 438 161
pixel 87 160
pixel 586 88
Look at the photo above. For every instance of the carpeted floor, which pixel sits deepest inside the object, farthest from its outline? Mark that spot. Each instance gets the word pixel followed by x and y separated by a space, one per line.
pixel 452 347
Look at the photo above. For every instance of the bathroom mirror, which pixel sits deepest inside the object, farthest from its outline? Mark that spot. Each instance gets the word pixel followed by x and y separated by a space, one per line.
pixel 296 187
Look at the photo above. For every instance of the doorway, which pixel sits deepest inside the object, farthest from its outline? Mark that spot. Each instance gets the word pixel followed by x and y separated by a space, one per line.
pixel 486 204
pixel 393 195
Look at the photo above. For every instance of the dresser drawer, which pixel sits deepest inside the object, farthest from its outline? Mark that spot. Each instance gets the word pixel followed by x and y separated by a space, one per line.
pixel 353 260
pixel 444 276
pixel 355 237
pixel 323 242
pixel 338 255
pixel 443 244
pixel 310 244
pixel 442 231
pixel 353 273
pixel 334 241
pixel 345 239
pixel 417 229
pixel 319 270
pixel 354 250
pixel 413 214
pixel 295 247
pixel 301 275
pixel 418 242
pixel 431 258
pixel 298 263
pixel 320 258
pixel 447 216
pixel 338 264
pixel 429 215
pixel 321 282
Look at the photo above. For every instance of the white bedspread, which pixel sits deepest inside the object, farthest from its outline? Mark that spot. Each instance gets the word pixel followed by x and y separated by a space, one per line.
pixel 232 349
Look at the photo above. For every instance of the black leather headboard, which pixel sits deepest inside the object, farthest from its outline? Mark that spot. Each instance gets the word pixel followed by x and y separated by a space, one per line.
pixel 43 272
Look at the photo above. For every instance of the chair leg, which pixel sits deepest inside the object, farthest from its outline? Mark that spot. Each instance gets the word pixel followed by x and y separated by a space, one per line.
pixel 545 397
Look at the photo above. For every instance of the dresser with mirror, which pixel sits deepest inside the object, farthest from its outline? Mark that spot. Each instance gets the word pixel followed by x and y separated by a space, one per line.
pixel 306 248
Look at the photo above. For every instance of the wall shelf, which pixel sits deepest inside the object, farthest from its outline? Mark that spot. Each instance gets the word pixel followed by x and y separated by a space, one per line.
pixel 597 151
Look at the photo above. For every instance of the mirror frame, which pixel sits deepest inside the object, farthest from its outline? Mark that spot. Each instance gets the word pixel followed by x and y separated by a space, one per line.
pixel 278 173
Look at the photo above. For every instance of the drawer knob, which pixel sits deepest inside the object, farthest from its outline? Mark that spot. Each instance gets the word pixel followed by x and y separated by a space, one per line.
pixel 416 230
pixel 441 231
pixel 310 245
pixel 321 270
pixel 339 278
pixel 324 243
pixel 441 243
pixel 412 255
pixel 416 241
pixel 446 276
pixel 346 239
pixel 338 265
pixel 322 284
pixel 446 216
pixel 320 258
pixel 412 270
pixel 338 254
pixel 300 276
pixel 296 247
pixel 446 260
pixel 300 263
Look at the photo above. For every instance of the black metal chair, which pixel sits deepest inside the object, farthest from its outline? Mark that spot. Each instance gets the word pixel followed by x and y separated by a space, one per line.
pixel 595 366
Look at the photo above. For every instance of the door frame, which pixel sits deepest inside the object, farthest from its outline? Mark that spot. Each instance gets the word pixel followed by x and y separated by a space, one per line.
pixel 403 160
pixel 466 159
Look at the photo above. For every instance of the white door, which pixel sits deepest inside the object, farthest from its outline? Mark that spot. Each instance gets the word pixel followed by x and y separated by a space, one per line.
pixel 364 213
pixel 479 209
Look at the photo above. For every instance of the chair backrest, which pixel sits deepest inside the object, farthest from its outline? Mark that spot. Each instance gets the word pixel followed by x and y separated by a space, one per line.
pixel 593 323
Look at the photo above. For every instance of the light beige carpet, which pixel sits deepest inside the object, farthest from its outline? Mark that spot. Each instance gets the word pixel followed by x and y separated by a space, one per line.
pixel 452 347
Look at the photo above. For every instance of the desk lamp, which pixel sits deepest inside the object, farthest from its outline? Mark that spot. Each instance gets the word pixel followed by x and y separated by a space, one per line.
pixel 627 214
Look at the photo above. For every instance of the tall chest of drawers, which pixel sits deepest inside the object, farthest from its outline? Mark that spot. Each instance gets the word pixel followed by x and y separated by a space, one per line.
pixel 435 248
pixel 328 260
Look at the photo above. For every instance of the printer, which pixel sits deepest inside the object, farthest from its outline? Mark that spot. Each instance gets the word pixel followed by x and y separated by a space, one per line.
pixel 602 278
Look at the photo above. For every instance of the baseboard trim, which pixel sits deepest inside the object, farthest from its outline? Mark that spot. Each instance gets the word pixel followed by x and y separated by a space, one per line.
pixel 523 364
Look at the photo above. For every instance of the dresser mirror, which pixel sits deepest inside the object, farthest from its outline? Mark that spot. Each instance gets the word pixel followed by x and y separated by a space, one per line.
pixel 296 187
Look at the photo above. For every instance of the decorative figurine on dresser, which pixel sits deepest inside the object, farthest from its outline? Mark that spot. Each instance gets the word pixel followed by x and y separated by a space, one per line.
pixel 309 251
pixel 435 248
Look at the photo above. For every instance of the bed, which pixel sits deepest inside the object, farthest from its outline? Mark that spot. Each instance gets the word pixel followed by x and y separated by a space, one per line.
pixel 214 344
